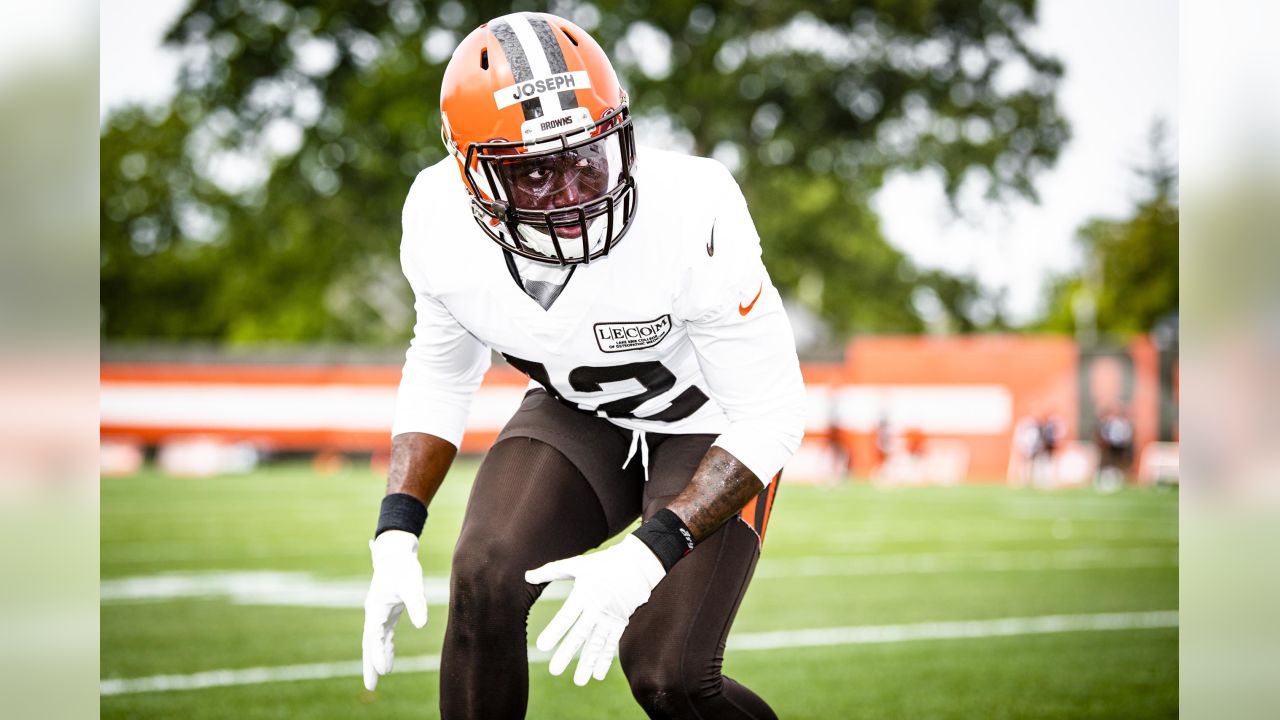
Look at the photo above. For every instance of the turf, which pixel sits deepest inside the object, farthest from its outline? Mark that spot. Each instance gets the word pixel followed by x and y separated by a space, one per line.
pixel 847 555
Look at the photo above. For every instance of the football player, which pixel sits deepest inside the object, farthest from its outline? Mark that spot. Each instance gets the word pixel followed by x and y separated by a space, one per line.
pixel 627 284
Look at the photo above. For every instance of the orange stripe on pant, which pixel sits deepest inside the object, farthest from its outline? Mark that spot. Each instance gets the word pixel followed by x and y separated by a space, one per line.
pixel 756 512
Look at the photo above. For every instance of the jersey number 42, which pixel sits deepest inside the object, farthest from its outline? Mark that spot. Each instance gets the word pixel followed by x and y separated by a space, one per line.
pixel 652 375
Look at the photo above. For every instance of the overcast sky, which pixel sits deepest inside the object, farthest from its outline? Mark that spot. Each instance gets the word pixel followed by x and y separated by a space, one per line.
pixel 1121 63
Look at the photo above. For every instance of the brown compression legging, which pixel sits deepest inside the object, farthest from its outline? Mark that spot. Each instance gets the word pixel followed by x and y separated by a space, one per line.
pixel 531 505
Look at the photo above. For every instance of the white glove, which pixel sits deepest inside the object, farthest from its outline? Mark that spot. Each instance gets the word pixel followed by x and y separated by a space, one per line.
pixel 608 587
pixel 396 587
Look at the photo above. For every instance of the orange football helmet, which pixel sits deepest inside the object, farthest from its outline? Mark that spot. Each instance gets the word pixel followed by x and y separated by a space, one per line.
pixel 531 109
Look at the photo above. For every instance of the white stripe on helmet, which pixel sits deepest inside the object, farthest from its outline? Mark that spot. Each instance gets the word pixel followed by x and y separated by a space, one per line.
pixel 537 58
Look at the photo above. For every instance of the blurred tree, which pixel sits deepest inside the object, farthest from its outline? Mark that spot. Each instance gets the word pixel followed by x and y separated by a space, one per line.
pixel 264 201
pixel 1129 280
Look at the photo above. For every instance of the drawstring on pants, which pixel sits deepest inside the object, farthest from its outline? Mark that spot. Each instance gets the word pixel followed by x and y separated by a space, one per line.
pixel 638 438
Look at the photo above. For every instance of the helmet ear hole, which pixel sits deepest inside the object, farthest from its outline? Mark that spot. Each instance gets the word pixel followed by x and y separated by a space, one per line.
pixel 484 59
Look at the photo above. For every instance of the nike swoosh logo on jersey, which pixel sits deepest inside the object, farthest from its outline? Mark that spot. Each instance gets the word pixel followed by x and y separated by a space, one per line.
pixel 744 309
pixel 711 244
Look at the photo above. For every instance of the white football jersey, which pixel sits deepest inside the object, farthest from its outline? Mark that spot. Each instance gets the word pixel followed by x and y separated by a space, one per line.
pixel 677 330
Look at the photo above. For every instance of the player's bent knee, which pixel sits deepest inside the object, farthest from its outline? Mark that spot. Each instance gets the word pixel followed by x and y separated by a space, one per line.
pixel 671 689
pixel 487 573
pixel 659 695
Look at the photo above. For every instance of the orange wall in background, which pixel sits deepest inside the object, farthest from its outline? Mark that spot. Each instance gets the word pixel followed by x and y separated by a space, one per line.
pixel 1039 372
pixel 970 390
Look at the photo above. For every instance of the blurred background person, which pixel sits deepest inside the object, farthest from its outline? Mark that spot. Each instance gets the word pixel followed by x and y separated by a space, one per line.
pixel 885 441
pixel 1114 438
pixel 1044 468
pixel 1027 447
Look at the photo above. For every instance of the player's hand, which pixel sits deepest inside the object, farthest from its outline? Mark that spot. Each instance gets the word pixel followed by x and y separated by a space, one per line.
pixel 608 587
pixel 395 588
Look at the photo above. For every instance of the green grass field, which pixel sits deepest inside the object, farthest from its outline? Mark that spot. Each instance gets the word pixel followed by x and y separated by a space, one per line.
pixel 267 571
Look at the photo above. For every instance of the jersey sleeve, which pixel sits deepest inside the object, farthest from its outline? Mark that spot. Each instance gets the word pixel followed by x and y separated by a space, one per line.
pixel 743 340
pixel 444 363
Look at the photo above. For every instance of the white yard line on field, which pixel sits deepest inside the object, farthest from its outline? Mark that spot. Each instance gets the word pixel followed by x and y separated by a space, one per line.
pixel 301 589
pixel 269 587
pixel 953 629
pixel 857 635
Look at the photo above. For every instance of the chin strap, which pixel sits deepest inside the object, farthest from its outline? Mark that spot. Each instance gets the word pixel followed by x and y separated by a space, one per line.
pixel 638 439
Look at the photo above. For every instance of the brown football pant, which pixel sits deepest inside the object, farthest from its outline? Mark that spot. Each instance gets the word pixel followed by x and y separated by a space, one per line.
pixel 552 487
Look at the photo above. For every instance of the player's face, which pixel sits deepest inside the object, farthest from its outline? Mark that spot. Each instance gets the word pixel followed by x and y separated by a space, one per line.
pixel 559 181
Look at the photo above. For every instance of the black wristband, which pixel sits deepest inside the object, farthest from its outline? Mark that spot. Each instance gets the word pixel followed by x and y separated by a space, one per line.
pixel 667 536
pixel 401 511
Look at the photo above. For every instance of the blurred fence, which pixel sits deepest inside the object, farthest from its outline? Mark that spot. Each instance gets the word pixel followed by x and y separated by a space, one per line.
pixel 900 409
